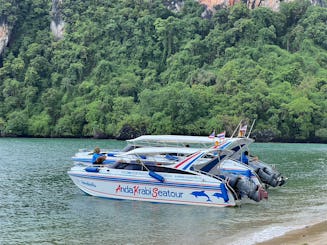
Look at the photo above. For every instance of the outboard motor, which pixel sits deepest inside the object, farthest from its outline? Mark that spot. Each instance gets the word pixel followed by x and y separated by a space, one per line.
pixel 245 187
pixel 267 174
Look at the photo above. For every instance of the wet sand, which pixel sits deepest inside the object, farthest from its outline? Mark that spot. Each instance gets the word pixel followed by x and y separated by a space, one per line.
pixel 310 235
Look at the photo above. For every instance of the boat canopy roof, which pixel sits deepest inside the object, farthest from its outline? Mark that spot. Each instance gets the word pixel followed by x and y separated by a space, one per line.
pixel 171 140
pixel 160 150
pixel 186 140
pixel 232 143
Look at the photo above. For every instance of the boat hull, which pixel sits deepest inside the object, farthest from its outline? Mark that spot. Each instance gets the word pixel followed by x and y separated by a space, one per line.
pixel 138 185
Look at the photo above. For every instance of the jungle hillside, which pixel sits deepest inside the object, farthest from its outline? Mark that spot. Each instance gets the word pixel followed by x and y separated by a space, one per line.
pixel 126 68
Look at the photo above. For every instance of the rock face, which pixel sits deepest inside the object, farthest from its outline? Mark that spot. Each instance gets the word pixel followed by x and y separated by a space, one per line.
pixel 57 23
pixel 4 36
pixel 174 6
pixel 130 132
pixel 272 4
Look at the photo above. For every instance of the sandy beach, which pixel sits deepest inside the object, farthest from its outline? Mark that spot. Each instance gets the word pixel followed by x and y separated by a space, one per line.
pixel 310 235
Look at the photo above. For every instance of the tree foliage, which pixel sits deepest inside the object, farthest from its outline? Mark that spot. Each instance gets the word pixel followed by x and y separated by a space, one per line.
pixel 126 68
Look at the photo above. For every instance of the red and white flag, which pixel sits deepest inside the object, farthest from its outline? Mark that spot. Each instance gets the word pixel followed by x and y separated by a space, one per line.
pixel 242 131
pixel 244 128
pixel 221 135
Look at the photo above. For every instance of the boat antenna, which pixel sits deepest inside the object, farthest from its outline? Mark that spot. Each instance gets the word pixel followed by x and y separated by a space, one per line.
pixel 239 124
pixel 251 129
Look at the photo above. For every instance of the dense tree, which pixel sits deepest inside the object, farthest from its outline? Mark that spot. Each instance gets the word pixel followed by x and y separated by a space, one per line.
pixel 126 68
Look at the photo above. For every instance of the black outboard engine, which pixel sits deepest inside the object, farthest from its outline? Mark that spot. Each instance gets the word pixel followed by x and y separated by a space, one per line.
pixel 267 174
pixel 246 187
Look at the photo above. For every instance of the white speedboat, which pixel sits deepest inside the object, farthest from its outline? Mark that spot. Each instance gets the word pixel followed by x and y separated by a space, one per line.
pixel 154 154
pixel 169 155
pixel 85 156
pixel 179 183
pixel 195 142
pixel 268 174
pixel 186 145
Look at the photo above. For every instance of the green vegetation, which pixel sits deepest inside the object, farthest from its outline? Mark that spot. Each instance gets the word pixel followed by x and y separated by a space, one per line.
pixel 131 67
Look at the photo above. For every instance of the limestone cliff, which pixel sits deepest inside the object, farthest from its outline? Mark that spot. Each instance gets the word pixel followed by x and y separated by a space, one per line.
pixel 4 36
pixel 272 4
pixel 57 23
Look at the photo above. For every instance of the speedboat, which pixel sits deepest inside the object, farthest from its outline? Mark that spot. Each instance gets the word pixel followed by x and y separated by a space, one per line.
pixel 192 142
pixel 85 155
pixel 169 155
pixel 183 182
pixel 268 174
pixel 174 141
pixel 161 154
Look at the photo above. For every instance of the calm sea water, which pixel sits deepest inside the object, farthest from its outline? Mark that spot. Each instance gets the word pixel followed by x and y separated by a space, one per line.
pixel 39 204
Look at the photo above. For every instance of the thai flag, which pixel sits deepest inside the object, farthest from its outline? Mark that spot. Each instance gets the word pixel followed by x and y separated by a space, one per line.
pixel 221 135
pixel 242 131
pixel 244 128
pixel 212 135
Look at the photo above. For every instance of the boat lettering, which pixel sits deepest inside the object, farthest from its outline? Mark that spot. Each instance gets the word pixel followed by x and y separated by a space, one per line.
pixel 146 191
pixel 166 193
pixel 88 183
pixel 125 189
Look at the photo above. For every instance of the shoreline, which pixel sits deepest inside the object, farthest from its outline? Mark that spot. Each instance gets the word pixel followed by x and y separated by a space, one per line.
pixel 124 139
pixel 315 234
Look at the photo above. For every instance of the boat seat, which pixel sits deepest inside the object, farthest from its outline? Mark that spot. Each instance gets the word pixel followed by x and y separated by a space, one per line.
pixel 92 169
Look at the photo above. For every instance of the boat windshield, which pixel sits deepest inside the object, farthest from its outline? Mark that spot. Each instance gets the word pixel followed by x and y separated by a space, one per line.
pixel 129 148
pixel 237 150
pixel 211 166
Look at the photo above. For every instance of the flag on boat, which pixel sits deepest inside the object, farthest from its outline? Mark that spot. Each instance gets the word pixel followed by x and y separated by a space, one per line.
pixel 221 135
pixel 212 135
pixel 243 130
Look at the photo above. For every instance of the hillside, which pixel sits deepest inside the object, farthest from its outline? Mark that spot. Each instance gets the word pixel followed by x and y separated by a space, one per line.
pixel 119 69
